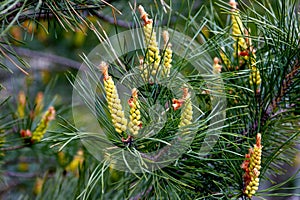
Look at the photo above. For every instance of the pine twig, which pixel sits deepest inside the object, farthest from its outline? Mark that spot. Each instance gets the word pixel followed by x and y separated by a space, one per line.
pixel 142 194
pixel 44 12
pixel 8 187
pixel 21 159
pixel 20 175
pixel 12 148
pixel 49 57
pixel 113 20
pixel 125 24
pixel 14 11
pixel 287 81
pixel 13 62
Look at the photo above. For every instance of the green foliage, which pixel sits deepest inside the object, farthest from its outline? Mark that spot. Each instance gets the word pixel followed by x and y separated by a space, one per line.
pixel 73 162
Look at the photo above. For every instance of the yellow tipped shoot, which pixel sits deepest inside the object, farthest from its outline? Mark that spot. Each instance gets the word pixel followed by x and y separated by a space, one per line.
pixel 41 129
pixel 113 100
pixel 187 112
pixel 21 104
pixel 135 114
pixel 167 57
pixel 152 56
pixel 251 166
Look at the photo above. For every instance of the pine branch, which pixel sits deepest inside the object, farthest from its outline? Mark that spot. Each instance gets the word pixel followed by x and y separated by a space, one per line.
pixel 123 23
pixel 12 148
pixel 47 57
pixel 113 20
pixel 268 113
pixel 142 194
pixel 284 88
pixel 8 187
pixel 44 10
pixel 13 62
pixel 20 175
pixel 68 14
pixel 13 11
pixel 21 159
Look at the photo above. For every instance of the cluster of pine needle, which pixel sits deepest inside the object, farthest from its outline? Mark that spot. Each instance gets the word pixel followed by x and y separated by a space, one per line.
pixel 152 140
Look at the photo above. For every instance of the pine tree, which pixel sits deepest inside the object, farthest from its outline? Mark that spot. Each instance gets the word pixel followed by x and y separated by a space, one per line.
pixel 218 121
